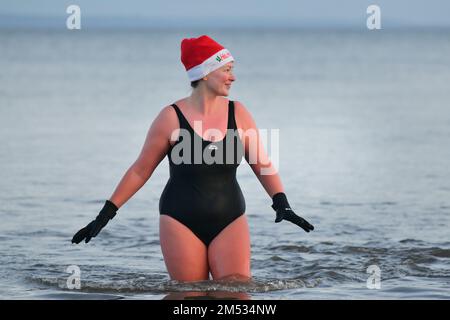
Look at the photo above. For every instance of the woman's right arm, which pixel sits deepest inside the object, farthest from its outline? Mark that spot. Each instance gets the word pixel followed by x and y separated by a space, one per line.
pixel 156 146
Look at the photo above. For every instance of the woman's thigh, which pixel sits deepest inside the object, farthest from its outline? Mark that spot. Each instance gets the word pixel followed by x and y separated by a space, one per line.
pixel 185 255
pixel 229 252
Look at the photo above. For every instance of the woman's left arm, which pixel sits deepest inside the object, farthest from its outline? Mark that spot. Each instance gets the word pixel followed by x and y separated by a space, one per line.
pixel 264 169
pixel 255 154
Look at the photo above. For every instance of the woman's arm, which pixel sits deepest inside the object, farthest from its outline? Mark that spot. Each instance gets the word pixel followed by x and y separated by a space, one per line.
pixel 155 148
pixel 265 170
pixel 255 154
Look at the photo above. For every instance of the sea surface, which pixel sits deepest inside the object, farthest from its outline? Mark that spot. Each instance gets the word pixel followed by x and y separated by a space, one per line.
pixel 364 155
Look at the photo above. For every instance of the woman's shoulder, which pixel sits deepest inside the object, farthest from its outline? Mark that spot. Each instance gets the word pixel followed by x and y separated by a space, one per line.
pixel 239 106
pixel 243 117
pixel 167 112
pixel 167 119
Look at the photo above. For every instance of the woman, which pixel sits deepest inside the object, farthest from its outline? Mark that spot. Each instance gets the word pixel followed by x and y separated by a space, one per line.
pixel 203 228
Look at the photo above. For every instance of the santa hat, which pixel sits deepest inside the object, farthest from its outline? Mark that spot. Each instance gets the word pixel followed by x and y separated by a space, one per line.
pixel 203 55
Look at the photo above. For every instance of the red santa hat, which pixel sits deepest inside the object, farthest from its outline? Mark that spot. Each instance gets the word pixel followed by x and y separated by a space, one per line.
pixel 203 55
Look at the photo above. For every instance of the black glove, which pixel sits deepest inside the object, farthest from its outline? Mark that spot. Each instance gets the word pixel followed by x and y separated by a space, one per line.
pixel 92 229
pixel 284 212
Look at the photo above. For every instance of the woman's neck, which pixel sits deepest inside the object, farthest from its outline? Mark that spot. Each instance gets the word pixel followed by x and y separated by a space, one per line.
pixel 203 101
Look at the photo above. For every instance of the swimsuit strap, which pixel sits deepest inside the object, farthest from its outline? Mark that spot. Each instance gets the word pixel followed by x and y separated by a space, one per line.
pixel 231 118
pixel 183 121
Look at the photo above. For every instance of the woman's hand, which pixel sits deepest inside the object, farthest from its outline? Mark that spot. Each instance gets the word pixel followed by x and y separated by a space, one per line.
pixel 284 212
pixel 93 228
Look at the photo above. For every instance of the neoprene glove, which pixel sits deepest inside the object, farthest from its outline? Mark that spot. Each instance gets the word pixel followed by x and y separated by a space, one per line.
pixel 284 212
pixel 93 228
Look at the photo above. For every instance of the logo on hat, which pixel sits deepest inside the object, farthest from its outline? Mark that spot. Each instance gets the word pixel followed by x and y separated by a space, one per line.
pixel 223 56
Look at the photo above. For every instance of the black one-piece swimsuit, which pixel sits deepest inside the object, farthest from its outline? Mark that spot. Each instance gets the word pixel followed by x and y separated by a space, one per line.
pixel 204 195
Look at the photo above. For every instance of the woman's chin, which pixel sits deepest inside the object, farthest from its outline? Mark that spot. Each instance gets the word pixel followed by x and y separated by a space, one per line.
pixel 223 92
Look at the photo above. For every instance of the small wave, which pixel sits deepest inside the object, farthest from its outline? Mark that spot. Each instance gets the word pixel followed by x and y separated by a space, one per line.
pixel 253 286
pixel 291 248
pixel 99 286
pixel 335 276
pixel 40 233
pixel 75 296
pixel 277 258
pixel 139 244
pixel 412 241
pixel 440 253
pixel 368 250
pixel 357 204
pixel 146 285
pixel 27 204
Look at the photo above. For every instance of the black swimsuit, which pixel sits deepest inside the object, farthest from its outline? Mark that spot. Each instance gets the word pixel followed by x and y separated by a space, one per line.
pixel 205 196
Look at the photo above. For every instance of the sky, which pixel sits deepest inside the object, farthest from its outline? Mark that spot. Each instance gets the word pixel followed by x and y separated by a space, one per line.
pixel 229 13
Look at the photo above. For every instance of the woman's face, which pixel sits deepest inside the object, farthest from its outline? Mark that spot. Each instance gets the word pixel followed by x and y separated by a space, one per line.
pixel 220 80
